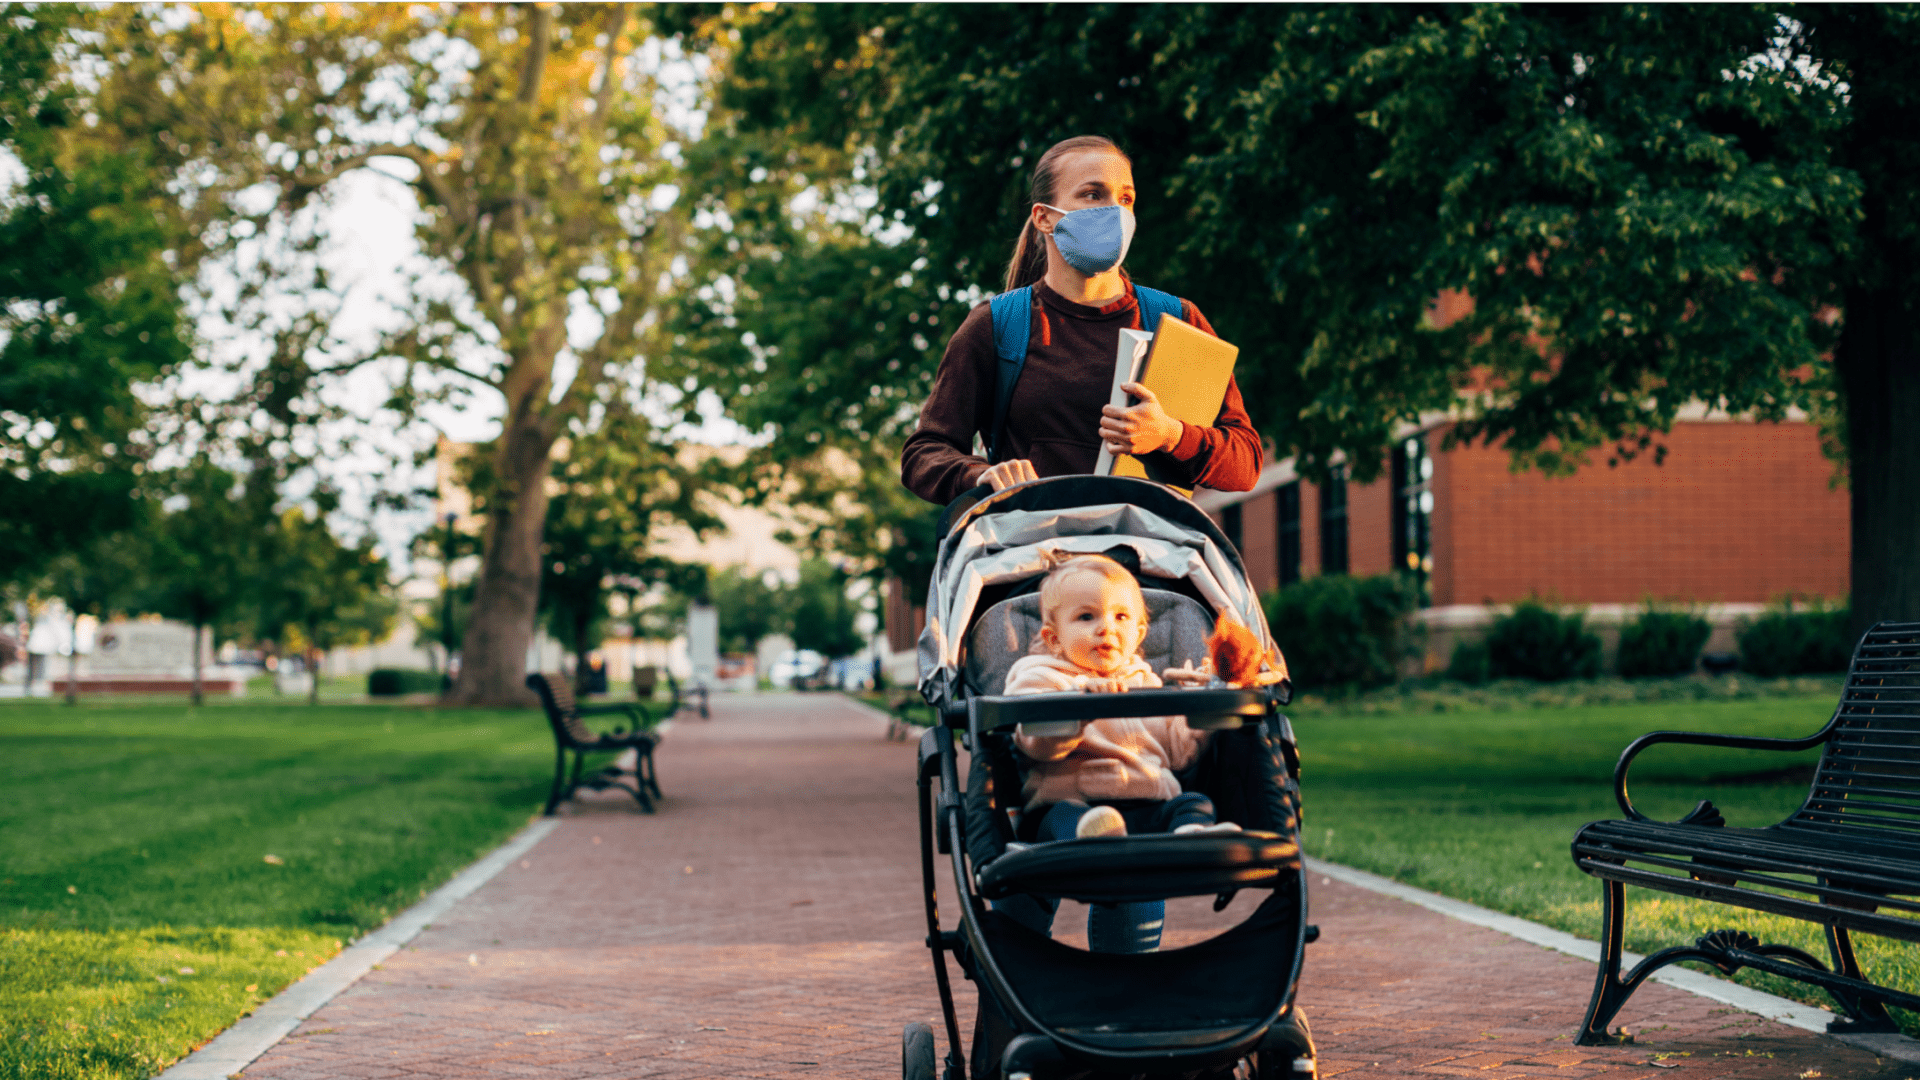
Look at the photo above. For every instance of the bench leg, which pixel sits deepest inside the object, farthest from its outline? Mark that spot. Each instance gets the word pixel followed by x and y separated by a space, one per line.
pixel 653 777
pixel 1863 1015
pixel 642 760
pixel 559 780
pixel 1609 992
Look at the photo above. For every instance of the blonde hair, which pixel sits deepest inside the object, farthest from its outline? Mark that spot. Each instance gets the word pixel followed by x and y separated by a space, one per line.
pixel 1029 262
pixel 1095 564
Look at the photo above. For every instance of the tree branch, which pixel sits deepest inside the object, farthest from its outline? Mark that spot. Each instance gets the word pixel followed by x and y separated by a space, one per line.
pixel 540 35
pixel 603 97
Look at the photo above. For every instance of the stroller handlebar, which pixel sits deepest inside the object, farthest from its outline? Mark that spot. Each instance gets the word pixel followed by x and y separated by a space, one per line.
pixel 1060 714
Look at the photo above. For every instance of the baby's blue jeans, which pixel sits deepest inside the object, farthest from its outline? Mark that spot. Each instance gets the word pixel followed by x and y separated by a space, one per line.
pixel 1111 928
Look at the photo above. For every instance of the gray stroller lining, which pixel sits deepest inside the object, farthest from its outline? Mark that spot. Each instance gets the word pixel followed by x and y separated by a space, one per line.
pixel 1177 630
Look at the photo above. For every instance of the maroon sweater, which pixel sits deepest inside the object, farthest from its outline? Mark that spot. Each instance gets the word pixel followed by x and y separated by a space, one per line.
pixel 1054 418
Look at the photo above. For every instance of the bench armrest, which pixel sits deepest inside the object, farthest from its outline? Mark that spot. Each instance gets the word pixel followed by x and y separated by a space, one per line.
pixel 1700 738
pixel 1061 714
pixel 642 718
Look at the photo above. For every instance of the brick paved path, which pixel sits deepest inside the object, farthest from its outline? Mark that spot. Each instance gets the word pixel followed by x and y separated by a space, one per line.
pixel 766 924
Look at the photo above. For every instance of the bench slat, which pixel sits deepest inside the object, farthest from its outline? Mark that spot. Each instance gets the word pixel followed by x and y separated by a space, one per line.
pixel 1746 871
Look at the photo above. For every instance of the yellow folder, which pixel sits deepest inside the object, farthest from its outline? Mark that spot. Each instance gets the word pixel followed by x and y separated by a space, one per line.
pixel 1188 370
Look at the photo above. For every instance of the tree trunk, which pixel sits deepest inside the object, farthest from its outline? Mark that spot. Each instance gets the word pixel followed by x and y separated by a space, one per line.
pixel 313 675
pixel 73 664
pixel 1879 366
pixel 198 694
pixel 493 654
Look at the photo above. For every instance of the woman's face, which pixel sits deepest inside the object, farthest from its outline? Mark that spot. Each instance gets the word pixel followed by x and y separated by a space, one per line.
pixel 1085 179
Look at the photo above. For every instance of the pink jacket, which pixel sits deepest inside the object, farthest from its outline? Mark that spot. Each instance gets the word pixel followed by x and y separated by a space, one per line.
pixel 1131 758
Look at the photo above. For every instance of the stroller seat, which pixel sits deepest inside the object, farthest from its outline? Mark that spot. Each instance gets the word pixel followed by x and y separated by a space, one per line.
pixel 1177 630
pixel 1128 868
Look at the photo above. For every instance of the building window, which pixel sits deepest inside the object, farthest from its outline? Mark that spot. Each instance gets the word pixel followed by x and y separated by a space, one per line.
pixel 1286 501
pixel 1230 523
pixel 1333 522
pixel 1413 510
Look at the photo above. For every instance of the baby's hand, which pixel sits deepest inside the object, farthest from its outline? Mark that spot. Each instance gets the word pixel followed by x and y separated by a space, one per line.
pixel 1105 686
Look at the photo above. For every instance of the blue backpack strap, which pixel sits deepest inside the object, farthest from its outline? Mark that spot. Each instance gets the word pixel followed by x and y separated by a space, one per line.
pixel 1012 327
pixel 1153 304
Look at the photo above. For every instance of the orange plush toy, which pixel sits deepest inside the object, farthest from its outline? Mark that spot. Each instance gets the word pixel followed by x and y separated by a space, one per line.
pixel 1236 653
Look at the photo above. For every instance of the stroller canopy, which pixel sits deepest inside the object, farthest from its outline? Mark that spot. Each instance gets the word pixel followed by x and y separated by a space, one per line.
pixel 1020 533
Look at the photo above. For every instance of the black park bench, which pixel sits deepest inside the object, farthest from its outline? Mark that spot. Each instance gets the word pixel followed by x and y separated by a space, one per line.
pixel 570 734
pixel 1848 859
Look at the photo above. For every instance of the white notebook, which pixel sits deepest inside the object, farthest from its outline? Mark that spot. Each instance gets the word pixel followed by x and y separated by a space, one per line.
pixel 1127 362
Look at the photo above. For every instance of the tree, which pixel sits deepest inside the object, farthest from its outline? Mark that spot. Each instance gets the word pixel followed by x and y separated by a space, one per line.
pixel 88 305
pixel 317 594
pixel 613 490
pixel 544 177
pixel 822 617
pixel 103 577
pixel 1649 206
pixel 207 554
pixel 749 606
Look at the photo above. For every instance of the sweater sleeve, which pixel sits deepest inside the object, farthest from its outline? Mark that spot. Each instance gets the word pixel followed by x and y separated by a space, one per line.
pixel 938 463
pixel 1224 457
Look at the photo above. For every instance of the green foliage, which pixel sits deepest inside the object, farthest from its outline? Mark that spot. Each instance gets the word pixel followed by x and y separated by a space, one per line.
pixel 158 818
pixel 822 617
pixel 315 593
pixel 1788 642
pixel 1337 630
pixel 1323 158
pixel 207 555
pixel 394 682
pixel 1662 643
pixel 616 488
pixel 89 308
pixel 1471 663
pixel 749 607
pixel 1535 642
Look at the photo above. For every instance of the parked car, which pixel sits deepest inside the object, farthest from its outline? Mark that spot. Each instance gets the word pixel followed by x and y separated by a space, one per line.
pixel 796 667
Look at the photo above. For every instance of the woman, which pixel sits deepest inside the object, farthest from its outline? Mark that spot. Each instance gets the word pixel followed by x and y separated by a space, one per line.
pixel 1078 228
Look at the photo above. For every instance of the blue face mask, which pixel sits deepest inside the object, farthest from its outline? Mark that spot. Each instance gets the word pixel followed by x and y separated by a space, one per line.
pixel 1094 240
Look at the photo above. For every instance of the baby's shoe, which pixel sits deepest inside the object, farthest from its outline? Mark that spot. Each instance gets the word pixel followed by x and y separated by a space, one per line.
pixel 1101 821
pixel 1196 827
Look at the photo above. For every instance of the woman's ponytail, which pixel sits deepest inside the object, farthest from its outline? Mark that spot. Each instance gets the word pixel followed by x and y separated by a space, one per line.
pixel 1029 262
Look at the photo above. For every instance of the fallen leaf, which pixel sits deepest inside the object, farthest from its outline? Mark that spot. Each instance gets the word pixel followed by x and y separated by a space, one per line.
pixel 251 987
pixel 473 958
pixel 186 971
pixel 279 952
pixel 274 860
pixel 72 891
pixel 547 1032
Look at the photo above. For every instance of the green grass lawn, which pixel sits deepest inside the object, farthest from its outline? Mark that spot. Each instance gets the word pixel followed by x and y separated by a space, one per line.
pixel 140 913
pixel 1481 801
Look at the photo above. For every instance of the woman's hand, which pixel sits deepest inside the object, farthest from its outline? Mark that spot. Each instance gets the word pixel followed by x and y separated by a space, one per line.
pixel 1139 429
pixel 1008 473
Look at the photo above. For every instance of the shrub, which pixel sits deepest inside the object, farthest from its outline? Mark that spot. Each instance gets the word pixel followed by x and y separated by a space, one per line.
pixel 393 682
pixel 1470 663
pixel 1535 642
pixel 1662 643
pixel 1338 630
pixel 1789 642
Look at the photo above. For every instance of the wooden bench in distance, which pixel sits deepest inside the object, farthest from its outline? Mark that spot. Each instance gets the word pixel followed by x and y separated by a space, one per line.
pixel 570 734
pixel 1848 859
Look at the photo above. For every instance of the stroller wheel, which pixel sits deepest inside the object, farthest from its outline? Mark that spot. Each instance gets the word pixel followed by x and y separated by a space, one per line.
pixel 916 1053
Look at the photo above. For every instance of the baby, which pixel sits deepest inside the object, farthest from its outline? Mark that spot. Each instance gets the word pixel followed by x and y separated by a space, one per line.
pixel 1114 775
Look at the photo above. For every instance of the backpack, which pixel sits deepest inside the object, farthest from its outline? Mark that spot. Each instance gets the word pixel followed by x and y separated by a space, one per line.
pixel 1013 326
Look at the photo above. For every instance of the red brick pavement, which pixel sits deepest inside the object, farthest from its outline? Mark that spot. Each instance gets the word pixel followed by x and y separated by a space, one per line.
pixel 766 923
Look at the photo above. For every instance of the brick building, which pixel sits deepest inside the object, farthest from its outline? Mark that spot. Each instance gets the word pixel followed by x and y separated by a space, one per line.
pixel 1737 514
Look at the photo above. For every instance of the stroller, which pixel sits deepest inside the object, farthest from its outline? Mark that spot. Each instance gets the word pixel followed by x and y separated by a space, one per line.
pixel 1220 1008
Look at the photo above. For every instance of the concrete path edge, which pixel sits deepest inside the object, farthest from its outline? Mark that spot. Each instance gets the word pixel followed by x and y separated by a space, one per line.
pixel 1746 999
pixel 254 1034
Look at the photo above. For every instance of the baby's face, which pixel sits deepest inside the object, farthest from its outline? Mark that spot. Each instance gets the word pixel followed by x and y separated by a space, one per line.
pixel 1095 623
